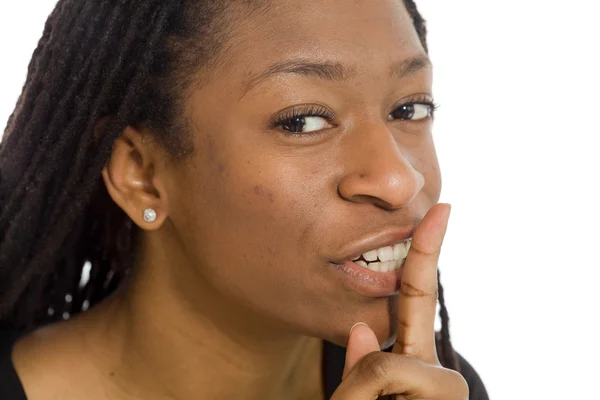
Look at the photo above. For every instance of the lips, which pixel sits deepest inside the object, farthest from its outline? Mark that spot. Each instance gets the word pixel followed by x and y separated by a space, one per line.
pixel 368 283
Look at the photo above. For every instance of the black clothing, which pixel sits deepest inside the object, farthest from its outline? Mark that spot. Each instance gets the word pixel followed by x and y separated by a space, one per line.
pixel 10 385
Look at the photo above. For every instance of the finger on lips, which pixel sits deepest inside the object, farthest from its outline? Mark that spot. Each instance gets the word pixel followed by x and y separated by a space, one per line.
pixel 417 300
pixel 412 369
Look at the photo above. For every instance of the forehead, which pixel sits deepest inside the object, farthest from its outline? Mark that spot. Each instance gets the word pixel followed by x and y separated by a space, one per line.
pixel 358 33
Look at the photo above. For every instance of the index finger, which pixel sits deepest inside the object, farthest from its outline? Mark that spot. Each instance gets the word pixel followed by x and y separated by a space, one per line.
pixel 418 296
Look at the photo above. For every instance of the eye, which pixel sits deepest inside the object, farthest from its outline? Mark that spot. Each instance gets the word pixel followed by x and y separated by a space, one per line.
pixel 304 120
pixel 412 112
pixel 305 124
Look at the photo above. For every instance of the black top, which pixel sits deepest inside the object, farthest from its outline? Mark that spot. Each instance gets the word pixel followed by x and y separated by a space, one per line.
pixel 10 385
pixel 333 365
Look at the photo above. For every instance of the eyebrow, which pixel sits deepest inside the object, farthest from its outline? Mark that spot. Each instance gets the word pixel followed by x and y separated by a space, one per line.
pixel 333 70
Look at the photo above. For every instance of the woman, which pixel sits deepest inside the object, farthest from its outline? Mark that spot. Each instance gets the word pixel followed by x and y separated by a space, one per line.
pixel 243 181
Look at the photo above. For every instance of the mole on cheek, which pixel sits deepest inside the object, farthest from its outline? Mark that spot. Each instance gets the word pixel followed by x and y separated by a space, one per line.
pixel 261 191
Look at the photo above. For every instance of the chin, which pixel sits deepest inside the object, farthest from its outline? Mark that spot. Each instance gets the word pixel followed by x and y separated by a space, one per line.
pixel 385 339
pixel 340 334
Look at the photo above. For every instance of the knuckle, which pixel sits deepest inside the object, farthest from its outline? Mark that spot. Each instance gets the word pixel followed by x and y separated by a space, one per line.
pixel 457 385
pixel 375 366
pixel 409 349
pixel 408 290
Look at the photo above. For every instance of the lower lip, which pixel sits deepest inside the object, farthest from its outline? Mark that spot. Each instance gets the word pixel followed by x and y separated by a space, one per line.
pixel 368 283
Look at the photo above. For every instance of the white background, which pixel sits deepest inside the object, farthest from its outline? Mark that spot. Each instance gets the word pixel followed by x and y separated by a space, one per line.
pixel 517 136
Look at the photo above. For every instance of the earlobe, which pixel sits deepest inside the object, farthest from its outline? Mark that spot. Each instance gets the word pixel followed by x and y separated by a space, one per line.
pixel 131 180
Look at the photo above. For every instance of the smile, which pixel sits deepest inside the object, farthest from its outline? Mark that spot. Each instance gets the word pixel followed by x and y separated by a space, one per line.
pixel 385 259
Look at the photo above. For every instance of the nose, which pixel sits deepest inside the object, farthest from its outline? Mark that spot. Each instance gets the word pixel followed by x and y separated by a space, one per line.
pixel 377 171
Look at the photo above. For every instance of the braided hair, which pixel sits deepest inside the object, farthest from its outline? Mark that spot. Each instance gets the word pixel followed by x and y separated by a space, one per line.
pixel 122 62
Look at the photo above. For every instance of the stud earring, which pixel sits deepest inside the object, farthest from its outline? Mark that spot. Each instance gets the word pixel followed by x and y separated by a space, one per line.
pixel 149 215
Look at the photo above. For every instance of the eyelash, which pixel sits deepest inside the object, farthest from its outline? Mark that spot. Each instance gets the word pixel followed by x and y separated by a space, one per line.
pixel 315 110
pixel 312 110
pixel 422 99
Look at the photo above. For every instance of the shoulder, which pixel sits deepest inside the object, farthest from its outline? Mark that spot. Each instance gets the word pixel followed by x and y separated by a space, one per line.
pixel 477 389
pixel 49 364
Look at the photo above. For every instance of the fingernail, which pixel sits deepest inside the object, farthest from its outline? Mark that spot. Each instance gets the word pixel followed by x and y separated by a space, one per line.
pixel 358 323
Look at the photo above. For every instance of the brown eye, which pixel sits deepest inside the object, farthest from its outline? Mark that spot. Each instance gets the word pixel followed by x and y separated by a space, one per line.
pixel 295 125
pixel 411 112
pixel 305 124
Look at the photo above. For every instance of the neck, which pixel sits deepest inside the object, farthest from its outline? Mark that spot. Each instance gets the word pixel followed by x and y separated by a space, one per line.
pixel 188 342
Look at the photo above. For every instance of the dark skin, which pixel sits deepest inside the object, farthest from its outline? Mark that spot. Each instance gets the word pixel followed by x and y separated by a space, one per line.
pixel 233 289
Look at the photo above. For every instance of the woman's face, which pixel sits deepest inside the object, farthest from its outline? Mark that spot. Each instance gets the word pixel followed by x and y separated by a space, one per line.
pixel 268 203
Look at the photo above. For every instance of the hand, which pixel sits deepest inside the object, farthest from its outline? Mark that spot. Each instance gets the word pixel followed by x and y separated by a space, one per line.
pixel 412 370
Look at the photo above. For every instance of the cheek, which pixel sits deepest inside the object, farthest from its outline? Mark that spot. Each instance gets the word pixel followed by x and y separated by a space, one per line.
pixel 277 198
pixel 426 162
pixel 433 179
pixel 259 211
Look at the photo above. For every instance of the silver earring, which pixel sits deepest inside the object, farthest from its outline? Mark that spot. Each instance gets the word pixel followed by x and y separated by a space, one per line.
pixel 149 215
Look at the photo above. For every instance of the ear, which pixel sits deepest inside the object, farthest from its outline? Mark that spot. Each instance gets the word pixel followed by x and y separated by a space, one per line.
pixel 132 179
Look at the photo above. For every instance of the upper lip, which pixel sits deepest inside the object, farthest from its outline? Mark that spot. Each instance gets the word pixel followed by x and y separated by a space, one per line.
pixel 387 237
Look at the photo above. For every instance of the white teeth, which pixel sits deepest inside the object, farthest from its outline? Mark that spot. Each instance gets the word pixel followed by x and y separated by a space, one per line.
pixel 385 259
pixel 399 251
pixel 385 266
pixel 370 255
pixel 374 266
pixel 386 253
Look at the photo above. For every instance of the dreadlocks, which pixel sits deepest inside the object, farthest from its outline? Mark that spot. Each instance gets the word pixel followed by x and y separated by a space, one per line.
pixel 122 62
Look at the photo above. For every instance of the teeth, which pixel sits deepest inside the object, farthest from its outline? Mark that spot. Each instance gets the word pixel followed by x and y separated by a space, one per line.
pixel 385 259
pixel 399 251
pixel 386 253
pixel 374 266
pixel 370 255
pixel 385 266
pixel 391 265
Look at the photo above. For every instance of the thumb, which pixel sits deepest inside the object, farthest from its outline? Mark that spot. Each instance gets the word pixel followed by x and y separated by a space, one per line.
pixel 362 342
